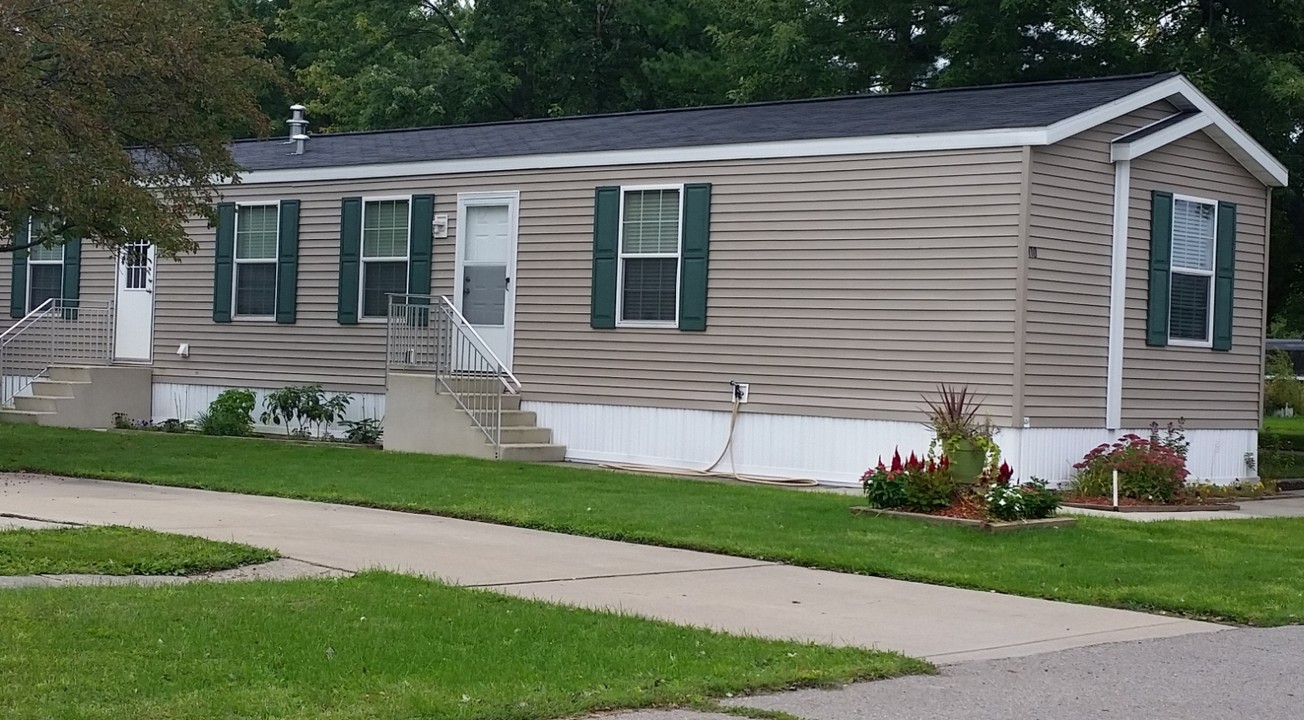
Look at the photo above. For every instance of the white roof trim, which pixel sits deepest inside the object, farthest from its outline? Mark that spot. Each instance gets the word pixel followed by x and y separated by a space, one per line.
pixel 1124 149
pixel 1177 90
pixel 1003 138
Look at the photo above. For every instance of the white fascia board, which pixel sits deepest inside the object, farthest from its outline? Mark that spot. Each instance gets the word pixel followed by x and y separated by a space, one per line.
pixel 1183 94
pixel 1268 169
pixel 1011 137
pixel 1120 150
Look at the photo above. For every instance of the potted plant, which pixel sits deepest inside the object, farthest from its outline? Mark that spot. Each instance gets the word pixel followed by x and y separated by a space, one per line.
pixel 966 440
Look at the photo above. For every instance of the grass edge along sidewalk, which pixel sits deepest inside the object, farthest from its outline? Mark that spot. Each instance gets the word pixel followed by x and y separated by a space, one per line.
pixel 377 645
pixel 1228 570
pixel 116 550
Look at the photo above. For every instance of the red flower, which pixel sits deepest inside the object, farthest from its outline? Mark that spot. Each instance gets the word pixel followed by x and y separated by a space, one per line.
pixel 913 462
pixel 896 460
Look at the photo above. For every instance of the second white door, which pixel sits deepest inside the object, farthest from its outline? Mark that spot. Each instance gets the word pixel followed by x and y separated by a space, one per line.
pixel 486 267
pixel 133 335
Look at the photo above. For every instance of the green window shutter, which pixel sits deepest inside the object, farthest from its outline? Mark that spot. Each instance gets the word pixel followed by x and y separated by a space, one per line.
pixel 1161 261
pixel 423 237
pixel 287 263
pixel 223 262
pixel 694 256
pixel 71 276
pixel 18 284
pixel 350 259
pixel 606 239
pixel 1224 277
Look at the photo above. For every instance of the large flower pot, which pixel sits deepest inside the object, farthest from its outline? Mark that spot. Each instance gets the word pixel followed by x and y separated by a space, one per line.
pixel 967 461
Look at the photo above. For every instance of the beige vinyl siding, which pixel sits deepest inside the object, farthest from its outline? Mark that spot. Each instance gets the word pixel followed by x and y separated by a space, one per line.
pixel 1071 217
pixel 843 286
pixel 1210 389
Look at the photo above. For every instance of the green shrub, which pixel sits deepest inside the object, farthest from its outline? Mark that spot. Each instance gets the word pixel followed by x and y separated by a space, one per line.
pixel 1281 389
pixel 228 414
pixel 1031 501
pixel 302 407
pixel 366 431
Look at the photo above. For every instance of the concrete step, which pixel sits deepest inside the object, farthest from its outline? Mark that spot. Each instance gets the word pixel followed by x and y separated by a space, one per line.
pixel 24 417
pixel 70 373
pixel 38 403
pixel 533 452
pixel 526 435
pixel 57 388
pixel 510 402
pixel 519 418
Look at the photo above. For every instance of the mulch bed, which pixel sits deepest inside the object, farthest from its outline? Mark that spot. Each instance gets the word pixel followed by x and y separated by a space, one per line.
pixel 968 507
pixel 1134 505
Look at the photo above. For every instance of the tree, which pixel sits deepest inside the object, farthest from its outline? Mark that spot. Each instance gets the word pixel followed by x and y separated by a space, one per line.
pixel 113 130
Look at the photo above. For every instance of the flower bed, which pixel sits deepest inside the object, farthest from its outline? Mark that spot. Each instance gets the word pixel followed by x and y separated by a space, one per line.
pixel 928 490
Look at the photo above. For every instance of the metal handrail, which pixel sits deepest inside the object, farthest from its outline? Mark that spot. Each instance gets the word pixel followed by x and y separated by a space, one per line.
pixel 57 330
pixel 427 332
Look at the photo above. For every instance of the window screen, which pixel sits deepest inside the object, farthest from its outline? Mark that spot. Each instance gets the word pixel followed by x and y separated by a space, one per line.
pixel 385 240
pixel 255 260
pixel 1191 295
pixel 649 248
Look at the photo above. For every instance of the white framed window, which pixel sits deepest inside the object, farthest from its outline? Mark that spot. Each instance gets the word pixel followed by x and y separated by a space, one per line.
pixel 257 237
pixel 44 269
pixel 386 244
pixel 647 286
pixel 1191 292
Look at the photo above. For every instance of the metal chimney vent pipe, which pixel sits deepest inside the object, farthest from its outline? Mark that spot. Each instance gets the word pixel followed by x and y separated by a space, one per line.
pixel 298 128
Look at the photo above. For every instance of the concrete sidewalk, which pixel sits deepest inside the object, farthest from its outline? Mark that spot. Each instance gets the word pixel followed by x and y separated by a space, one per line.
pixel 738 595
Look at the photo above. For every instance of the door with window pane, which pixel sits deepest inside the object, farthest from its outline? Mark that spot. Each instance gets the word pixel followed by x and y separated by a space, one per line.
pixel 486 238
pixel 133 336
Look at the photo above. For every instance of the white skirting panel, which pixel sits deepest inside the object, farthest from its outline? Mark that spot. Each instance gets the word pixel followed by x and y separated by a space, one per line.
pixel 185 402
pixel 835 451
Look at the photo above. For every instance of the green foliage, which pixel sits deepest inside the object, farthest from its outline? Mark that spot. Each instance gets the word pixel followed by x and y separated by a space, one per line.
pixel 307 407
pixel 1152 470
pixel 1032 500
pixel 228 414
pixel 1281 388
pixel 913 485
pixel 81 81
pixel 366 431
pixel 953 418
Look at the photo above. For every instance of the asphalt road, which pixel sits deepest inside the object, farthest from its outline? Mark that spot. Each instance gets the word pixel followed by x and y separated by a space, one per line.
pixel 1229 675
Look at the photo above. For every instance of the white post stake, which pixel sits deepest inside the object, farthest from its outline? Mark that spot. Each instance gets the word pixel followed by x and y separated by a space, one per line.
pixel 1115 489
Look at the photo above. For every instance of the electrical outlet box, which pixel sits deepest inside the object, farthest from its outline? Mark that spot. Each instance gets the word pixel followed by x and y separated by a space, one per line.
pixel 440 226
pixel 740 391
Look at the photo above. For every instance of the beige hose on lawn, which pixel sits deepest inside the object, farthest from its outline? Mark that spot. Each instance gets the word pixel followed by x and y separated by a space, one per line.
pixel 711 472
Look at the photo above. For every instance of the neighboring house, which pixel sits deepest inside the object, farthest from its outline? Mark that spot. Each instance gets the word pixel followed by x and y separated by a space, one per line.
pixel 1088 255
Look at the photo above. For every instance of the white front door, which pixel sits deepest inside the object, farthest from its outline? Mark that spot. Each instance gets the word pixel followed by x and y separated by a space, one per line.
pixel 133 337
pixel 485 290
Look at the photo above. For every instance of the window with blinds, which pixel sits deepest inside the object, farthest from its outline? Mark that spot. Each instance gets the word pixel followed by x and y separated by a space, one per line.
pixel 385 243
pixel 255 260
pixel 1190 312
pixel 649 255
pixel 44 269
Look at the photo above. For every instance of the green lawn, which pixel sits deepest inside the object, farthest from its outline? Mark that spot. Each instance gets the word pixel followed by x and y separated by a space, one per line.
pixel 1241 570
pixel 1284 424
pixel 118 551
pixel 376 646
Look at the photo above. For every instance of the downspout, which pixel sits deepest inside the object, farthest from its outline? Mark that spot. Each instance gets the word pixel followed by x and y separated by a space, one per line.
pixel 1117 295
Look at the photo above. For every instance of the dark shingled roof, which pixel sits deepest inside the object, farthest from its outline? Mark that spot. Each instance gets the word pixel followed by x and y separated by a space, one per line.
pixel 1022 105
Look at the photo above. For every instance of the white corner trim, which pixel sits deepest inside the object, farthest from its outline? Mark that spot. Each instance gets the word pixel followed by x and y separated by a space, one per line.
pixel 1131 150
pixel 1117 295
pixel 976 140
